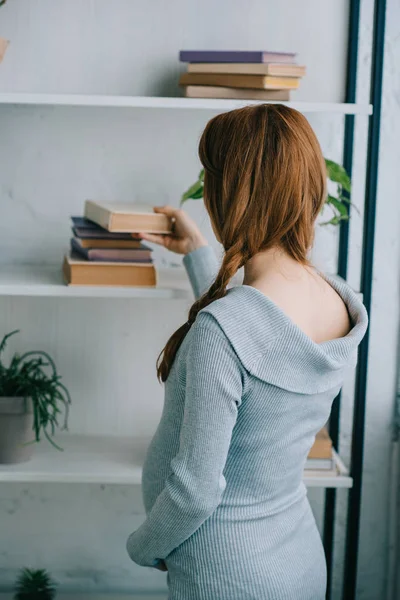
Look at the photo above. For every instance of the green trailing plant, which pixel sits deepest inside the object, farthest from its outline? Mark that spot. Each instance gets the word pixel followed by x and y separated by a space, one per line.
pixel 34 585
pixel 338 203
pixel 2 2
pixel 34 375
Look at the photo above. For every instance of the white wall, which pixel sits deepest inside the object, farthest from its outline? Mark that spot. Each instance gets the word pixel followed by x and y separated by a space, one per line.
pixel 51 159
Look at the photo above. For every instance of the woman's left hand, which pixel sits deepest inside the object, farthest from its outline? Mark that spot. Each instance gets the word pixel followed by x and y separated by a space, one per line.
pixel 161 566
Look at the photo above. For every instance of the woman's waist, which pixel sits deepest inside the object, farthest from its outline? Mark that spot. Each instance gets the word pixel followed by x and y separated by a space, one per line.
pixel 242 506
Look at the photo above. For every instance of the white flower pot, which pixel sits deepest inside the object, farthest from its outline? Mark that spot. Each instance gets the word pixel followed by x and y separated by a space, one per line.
pixel 16 430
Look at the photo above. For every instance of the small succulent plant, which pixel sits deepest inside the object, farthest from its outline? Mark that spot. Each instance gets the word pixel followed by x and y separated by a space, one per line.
pixel 34 585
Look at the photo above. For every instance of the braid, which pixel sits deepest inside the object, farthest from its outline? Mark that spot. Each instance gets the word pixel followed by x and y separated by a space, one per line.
pixel 232 261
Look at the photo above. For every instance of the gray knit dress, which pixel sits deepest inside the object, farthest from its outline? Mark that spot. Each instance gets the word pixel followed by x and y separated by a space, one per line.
pixel 222 483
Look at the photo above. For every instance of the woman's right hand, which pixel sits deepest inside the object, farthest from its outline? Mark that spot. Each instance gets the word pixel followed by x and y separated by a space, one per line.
pixel 185 236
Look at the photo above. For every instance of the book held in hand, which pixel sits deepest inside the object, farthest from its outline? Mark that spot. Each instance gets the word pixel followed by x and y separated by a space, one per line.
pixel 126 218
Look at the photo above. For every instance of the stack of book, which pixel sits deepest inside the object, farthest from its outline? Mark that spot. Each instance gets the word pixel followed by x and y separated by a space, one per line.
pixel 105 250
pixel 239 74
pixel 320 459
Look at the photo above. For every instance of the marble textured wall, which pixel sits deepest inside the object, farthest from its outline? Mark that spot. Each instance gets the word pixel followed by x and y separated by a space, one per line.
pixel 52 158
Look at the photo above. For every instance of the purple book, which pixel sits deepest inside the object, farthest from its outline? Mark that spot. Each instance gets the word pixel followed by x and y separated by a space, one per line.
pixel 141 255
pixel 235 56
pixel 83 223
pixel 100 234
pixel 85 229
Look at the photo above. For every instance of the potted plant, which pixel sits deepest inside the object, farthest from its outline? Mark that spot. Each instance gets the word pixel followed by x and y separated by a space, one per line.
pixel 34 585
pixel 32 398
pixel 3 42
pixel 337 203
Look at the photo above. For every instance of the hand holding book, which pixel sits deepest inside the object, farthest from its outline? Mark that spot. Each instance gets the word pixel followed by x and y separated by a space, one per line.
pixel 185 236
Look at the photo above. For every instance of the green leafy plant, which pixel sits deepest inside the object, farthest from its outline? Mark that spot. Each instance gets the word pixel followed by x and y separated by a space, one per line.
pixel 337 203
pixel 34 585
pixel 34 375
pixel 2 2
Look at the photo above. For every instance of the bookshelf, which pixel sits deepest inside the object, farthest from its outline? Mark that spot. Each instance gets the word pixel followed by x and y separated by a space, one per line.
pixel 111 460
pixel 28 280
pixel 33 280
pixel 342 108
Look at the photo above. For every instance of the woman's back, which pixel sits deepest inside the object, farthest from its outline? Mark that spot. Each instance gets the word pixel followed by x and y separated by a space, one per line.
pixel 301 293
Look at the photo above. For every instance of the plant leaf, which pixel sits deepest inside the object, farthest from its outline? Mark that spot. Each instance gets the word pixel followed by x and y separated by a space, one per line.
pixel 338 174
pixel 193 191
pixel 338 204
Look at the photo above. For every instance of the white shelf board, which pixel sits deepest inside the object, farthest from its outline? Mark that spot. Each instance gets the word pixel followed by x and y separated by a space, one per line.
pixel 178 103
pixel 30 280
pixel 109 460
pixel 341 480
pixel 85 459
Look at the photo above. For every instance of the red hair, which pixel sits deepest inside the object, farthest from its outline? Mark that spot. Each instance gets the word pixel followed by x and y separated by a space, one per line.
pixel 264 186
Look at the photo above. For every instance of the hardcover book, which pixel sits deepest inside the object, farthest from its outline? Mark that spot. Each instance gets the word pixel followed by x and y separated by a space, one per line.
pixel 210 91
pixel 101 234
pixel 112 242
pixel 235 56
pixel 124 218
pixel 322 447
pixel 78 271
pixel 263 82
pixel 141 254
pixel 279 70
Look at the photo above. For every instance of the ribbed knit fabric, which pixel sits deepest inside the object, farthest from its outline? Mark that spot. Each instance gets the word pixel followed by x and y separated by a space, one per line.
pixel 222 482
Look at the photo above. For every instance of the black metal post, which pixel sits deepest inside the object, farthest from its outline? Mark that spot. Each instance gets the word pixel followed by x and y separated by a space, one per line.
pixel 354 503
pixel 348 145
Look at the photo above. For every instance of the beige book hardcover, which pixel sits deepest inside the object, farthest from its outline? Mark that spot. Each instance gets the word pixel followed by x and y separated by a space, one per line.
pixel 83 272
pixel 263 82
pixel 210 91
pixel 127 218
pixel 113 244
pixel 322 447
pixel 3 47
pixel 279 70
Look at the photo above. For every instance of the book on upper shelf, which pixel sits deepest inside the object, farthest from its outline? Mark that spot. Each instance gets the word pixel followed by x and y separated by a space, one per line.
pixel 264 82
pixel 125 218
pixel 276 69
pixel 211 91
pixel 140 254
pixel 78 271
pixel 235 56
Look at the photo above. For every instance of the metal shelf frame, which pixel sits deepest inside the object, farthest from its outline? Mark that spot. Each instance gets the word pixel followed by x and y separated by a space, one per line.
pixel 357 450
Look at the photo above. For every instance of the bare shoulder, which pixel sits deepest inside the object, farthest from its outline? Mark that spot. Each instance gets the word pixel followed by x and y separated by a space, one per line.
pixel 311 303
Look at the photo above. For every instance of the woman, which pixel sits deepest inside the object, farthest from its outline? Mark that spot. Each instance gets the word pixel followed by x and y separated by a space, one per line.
pixel 251 376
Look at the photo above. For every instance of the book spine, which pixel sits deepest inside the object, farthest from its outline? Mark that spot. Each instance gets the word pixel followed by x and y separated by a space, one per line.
pixel 76 247
pixel 220 56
